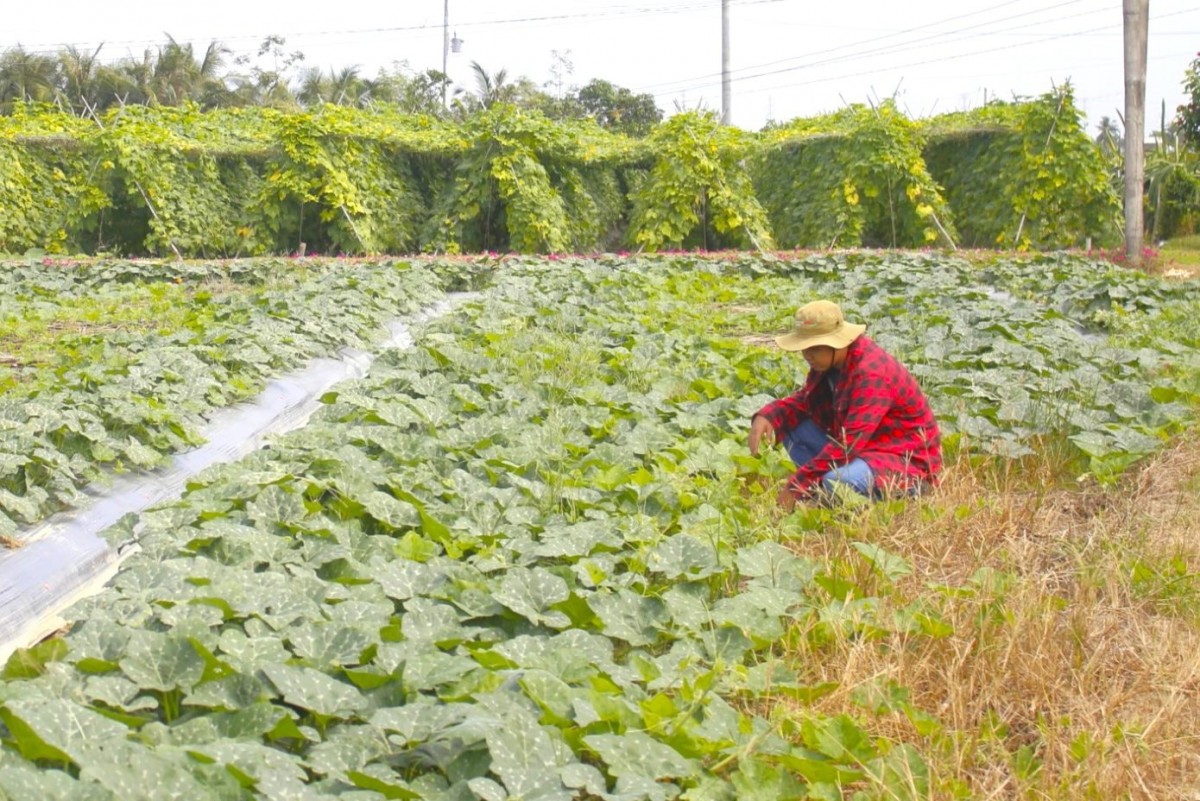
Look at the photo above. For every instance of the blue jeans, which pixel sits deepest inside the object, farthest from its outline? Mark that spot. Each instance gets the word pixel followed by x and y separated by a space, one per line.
pixel 806 440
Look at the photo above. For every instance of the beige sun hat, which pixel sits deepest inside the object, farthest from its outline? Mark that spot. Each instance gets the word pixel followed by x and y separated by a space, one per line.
pixel 820 323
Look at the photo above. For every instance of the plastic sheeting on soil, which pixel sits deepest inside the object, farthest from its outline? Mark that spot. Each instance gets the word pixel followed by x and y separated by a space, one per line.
pixel 63 558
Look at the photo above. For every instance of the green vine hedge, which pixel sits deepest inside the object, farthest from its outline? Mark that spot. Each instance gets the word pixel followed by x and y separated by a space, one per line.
pixel 239 182
pixel 1023 175
pixel 851 179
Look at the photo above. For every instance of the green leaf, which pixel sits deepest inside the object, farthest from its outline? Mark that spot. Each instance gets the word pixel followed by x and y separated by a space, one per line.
pixel 229 693
pixel 55 729
pixel 315 691
pixel 268 767
pixel 391 511
pixel 403 579
pixel 162 662
pixel 683 556
pixel 636 619
pixel 636 754
pixel 391 788
pixel 275 505
pixel 524 758
pixel 756 780
pixel 416 723
pixel 892 566
pixel 25 781
pixel 1165 394
pixel 431 622
pixel 328 645
pixel 347 749
pixel 135 773
pixel 902 773
pixel 774 565
pixel 26 663
pixel 530 593
pixel 487 790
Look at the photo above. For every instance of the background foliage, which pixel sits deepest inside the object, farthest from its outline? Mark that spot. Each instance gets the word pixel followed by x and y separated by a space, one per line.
pixel 1023 174
pixel 852 178
pixel 336 179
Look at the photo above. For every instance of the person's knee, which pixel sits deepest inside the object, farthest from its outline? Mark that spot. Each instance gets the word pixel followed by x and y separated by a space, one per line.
pixel 831 481
pixel 858 480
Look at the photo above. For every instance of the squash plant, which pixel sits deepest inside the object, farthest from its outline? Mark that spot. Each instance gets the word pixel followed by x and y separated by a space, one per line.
pixel 1024 175
pixel 849 179
pixel 698 193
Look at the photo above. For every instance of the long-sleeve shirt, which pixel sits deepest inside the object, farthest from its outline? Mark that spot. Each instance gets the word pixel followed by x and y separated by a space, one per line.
pixel 874 411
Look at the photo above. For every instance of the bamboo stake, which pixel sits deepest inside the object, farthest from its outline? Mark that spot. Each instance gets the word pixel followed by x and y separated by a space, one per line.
pixel 945 233
pixel 354 229
pixel 1062 98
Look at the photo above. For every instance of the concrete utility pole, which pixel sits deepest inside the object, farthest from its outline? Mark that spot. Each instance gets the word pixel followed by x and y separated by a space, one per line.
pixel 445 50
pixel 1137 27
pixel 726 102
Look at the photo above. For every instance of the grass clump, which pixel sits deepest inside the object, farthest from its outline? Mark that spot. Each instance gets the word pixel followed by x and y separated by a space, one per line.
pixel 1041 641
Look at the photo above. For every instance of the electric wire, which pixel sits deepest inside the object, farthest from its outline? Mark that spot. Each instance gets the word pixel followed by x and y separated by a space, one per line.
pixel 896 48
pixel 872 40
pixel 942 59
pixel 51 48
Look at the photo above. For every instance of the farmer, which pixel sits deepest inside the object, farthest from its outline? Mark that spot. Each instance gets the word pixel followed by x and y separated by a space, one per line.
pixel 859 420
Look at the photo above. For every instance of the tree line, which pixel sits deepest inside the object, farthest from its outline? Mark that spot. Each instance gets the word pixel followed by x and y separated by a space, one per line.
pixel 175 73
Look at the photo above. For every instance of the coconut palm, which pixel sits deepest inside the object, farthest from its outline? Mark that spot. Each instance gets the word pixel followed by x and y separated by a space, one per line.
pixel 77 77
pixel 314 88
pixel 1109 136
pixel 178 75
pixel 137 76
pixel 491 89
pixel 345 86
pixel 26 76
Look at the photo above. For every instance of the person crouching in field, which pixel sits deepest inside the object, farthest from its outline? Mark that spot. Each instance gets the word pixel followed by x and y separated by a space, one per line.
pixel 860 419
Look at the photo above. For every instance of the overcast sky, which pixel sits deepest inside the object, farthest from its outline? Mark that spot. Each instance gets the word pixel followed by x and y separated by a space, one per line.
pixel 789 58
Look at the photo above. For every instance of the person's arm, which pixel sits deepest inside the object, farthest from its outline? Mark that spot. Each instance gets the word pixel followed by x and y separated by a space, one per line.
pixel 870 397
pixel 778 417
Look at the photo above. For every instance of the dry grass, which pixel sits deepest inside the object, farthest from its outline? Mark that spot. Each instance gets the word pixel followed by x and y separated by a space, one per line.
pixel 1073 669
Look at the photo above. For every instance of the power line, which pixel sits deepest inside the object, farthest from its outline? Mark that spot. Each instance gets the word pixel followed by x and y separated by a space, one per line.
pixel 905 46
pixel 898 47
pixel 51 48
pixel 950 58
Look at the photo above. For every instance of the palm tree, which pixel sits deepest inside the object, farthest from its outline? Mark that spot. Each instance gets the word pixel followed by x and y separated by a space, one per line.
pixel 314 89
pixel 383 88
pixel 138 79
pixel 345 86
pixel 179 77
pixel 492 89
pixel 26 76
pixel 342 87
pixel 77 75
pixel 1172 177
pixel 1109 136
pixel 112 85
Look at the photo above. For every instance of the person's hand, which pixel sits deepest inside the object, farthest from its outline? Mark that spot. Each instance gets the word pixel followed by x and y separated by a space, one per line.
pixel 760 427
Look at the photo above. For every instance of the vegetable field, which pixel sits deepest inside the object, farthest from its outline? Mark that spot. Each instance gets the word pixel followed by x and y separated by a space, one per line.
pixel 529 557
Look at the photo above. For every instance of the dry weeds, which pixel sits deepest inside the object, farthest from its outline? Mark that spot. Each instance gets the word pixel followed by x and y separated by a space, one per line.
pixel 1073 669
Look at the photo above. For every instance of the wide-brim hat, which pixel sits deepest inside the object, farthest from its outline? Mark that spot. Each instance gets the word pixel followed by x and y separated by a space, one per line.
pixel 820 323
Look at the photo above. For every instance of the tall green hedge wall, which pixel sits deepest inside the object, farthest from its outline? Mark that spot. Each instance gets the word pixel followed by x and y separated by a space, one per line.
pixel 240 182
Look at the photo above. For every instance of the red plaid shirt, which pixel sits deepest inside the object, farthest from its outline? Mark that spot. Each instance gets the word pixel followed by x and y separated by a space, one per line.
pixel 875 412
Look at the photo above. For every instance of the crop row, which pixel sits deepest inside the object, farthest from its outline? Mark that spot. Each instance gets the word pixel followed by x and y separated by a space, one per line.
pixel 119 389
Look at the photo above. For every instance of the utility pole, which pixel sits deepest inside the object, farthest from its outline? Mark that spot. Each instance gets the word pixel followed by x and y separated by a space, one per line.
pixel 445 50
pixel 1137 27
pixel 726 101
